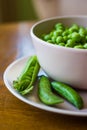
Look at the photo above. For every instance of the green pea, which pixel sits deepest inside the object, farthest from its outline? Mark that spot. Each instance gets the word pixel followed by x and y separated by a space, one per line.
pixel 65 38
pixel 49 41
pixel 51 34
pixel 69 36
pixel 65 33
pixel 59 26
pixel 79 47
pixel 70 43
pixel 59 39
pixel 53 38
pixel 86 38
pixel 86 30
pixel 61 44
pixel 47 37
pixel 45 93
pixel 82 31
pixel 75 36
pixel 74 28
pixel 58 32
pixel 68 93
pixel 85 45
pixel 26 79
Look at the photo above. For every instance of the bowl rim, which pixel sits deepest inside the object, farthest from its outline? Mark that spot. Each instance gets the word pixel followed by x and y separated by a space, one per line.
pixel 52 45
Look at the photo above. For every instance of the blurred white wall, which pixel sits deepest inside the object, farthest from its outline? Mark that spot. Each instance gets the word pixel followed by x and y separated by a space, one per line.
pixel 68 7
pixel 49 8
pixel 46 8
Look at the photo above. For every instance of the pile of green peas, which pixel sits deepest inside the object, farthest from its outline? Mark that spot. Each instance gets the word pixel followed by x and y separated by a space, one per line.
pixel 74 36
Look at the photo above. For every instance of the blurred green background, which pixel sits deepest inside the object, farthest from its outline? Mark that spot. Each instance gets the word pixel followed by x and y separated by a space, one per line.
pixel 17 10
pixel 24 10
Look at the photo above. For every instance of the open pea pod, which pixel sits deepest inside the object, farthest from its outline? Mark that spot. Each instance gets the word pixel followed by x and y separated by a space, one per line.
pixel 25 81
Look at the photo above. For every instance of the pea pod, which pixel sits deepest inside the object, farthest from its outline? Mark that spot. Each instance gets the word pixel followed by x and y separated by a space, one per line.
pixel 45 93
pixel 25 81
pixel 68 93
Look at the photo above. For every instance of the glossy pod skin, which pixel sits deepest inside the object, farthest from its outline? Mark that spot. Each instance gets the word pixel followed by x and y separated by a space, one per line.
pixel 68 93
pixel 45 93
pixel 25 81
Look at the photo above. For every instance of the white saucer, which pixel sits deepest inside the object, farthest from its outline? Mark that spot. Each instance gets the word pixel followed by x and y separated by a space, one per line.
pixel 11 73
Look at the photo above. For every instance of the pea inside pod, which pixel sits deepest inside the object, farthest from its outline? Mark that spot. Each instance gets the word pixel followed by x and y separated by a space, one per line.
pixel 45 93
pixel 25 81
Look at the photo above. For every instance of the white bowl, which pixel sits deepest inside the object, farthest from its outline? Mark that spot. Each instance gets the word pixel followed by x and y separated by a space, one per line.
pixel 68 65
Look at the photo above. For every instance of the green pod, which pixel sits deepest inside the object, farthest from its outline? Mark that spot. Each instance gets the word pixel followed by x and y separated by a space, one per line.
pixel 68 93
pixel 25 81
pixel 45 93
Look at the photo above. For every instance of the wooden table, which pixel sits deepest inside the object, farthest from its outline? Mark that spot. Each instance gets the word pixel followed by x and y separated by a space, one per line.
pixel 15 114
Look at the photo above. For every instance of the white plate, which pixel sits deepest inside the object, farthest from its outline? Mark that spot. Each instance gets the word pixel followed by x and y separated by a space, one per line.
pixel 11 73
